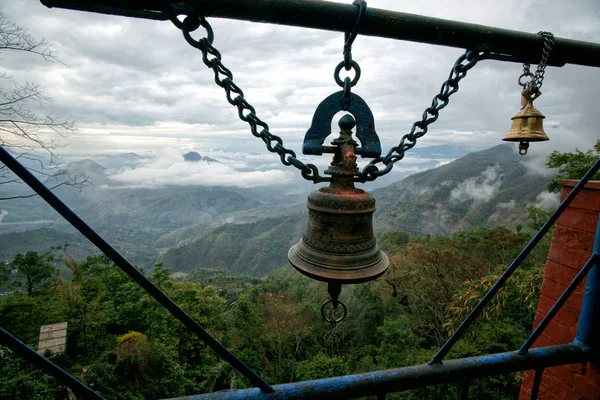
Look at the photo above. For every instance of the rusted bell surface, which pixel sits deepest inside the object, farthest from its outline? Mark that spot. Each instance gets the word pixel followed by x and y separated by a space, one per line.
pixel 527 125
pixel 339 244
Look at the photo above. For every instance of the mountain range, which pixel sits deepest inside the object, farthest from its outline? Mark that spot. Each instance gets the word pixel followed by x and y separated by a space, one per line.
pixel 485 188
pixel 250 230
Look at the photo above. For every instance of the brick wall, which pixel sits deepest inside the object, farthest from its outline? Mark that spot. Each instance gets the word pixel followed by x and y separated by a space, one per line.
pixel 571 247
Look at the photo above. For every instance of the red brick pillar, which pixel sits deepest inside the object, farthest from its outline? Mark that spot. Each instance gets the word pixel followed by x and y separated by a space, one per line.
pixel 571 247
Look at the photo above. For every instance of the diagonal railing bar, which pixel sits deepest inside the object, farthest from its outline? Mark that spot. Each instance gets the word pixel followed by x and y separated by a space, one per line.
pixel 536 383
pixel 559 303
pixel 130 270
pixel 513 267
pixel 41 362
pixel 464 390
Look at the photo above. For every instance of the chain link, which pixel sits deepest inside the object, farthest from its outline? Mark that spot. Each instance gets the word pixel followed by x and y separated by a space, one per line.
pixel 235 96
pixel 348 63
pixel 463 64
pixel 536 79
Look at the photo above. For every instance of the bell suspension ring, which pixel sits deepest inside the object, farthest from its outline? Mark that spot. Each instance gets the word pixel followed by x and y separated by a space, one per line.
pixel 527 125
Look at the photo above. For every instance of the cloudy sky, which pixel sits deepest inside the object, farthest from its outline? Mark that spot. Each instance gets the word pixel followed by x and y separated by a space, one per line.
pixel 137 86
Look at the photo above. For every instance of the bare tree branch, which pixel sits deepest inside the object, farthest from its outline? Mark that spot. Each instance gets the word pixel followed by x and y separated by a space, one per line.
pixel 22 131
pixel 79 183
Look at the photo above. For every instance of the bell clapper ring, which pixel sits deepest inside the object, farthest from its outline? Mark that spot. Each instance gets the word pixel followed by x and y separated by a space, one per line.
pixel 330 315
pixel 334 289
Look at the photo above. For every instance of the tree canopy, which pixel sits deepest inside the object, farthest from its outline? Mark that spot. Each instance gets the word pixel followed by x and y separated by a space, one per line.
pixel 572 165
pixel 126 346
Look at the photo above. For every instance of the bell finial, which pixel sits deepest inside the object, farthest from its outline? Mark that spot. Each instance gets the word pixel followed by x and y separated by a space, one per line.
pixel 347 122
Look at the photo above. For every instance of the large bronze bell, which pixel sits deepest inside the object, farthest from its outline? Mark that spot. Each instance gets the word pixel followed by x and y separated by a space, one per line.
pixel 527 124
pixel 339 245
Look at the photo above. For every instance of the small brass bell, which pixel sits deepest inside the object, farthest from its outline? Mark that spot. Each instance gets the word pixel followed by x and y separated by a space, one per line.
pixel 338 246
pixel 527 124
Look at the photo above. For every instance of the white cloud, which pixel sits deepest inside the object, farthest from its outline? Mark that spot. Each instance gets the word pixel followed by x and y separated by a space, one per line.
pixel 536 165
pixel 547 200
pixel 169 168
pixel 481 187
pixel 507 205
pixel 141 86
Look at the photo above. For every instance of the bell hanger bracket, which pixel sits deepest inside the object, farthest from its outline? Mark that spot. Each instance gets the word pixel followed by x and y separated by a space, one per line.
pixel 321 125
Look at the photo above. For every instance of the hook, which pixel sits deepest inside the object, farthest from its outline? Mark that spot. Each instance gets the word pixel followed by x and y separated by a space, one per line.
pixel 350 36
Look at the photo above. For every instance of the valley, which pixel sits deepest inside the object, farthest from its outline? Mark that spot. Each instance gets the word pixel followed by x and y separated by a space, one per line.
pixel 248 231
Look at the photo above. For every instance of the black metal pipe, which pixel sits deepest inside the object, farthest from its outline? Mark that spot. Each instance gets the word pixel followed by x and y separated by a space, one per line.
pixel 40 362
pixel 507 45
pixel 400 379
pixel 129 269
pixel 513 266
pixel 558 305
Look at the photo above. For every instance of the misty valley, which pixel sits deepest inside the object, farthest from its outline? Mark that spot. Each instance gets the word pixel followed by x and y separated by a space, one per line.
pixel 248 230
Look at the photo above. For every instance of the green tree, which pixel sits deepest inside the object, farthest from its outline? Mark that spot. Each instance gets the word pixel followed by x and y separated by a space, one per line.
pixel 19 379
pixel 4 273
pixel 536 217
pixel 572 165
pixel 322 366
pixel 32 270
pixel 137 369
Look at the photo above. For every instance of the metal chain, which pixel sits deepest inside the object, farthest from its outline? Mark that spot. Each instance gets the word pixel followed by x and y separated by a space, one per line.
pixel 348 63
pixel 535 83
pixel 463 64
pixel 260 129
pixel 235 96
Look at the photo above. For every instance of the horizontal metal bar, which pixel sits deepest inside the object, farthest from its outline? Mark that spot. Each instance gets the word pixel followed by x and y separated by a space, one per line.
pixel 508 45
pixel 129 269
pixel 41 362
pixel 399 379
pixel 559 303
pixel 513 266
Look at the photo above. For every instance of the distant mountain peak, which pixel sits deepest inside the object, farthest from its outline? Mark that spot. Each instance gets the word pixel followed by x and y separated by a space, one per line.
pixel 194 156
pixel 87 165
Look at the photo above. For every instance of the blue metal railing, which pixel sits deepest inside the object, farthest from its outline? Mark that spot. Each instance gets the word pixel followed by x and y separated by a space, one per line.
pixel 513 266
pixel 380 382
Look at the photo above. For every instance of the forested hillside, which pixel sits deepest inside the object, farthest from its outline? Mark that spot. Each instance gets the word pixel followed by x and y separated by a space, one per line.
pixel 234 279
pixel 485 188
pixel 188 228
pixel 251 249
pixel 126 346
